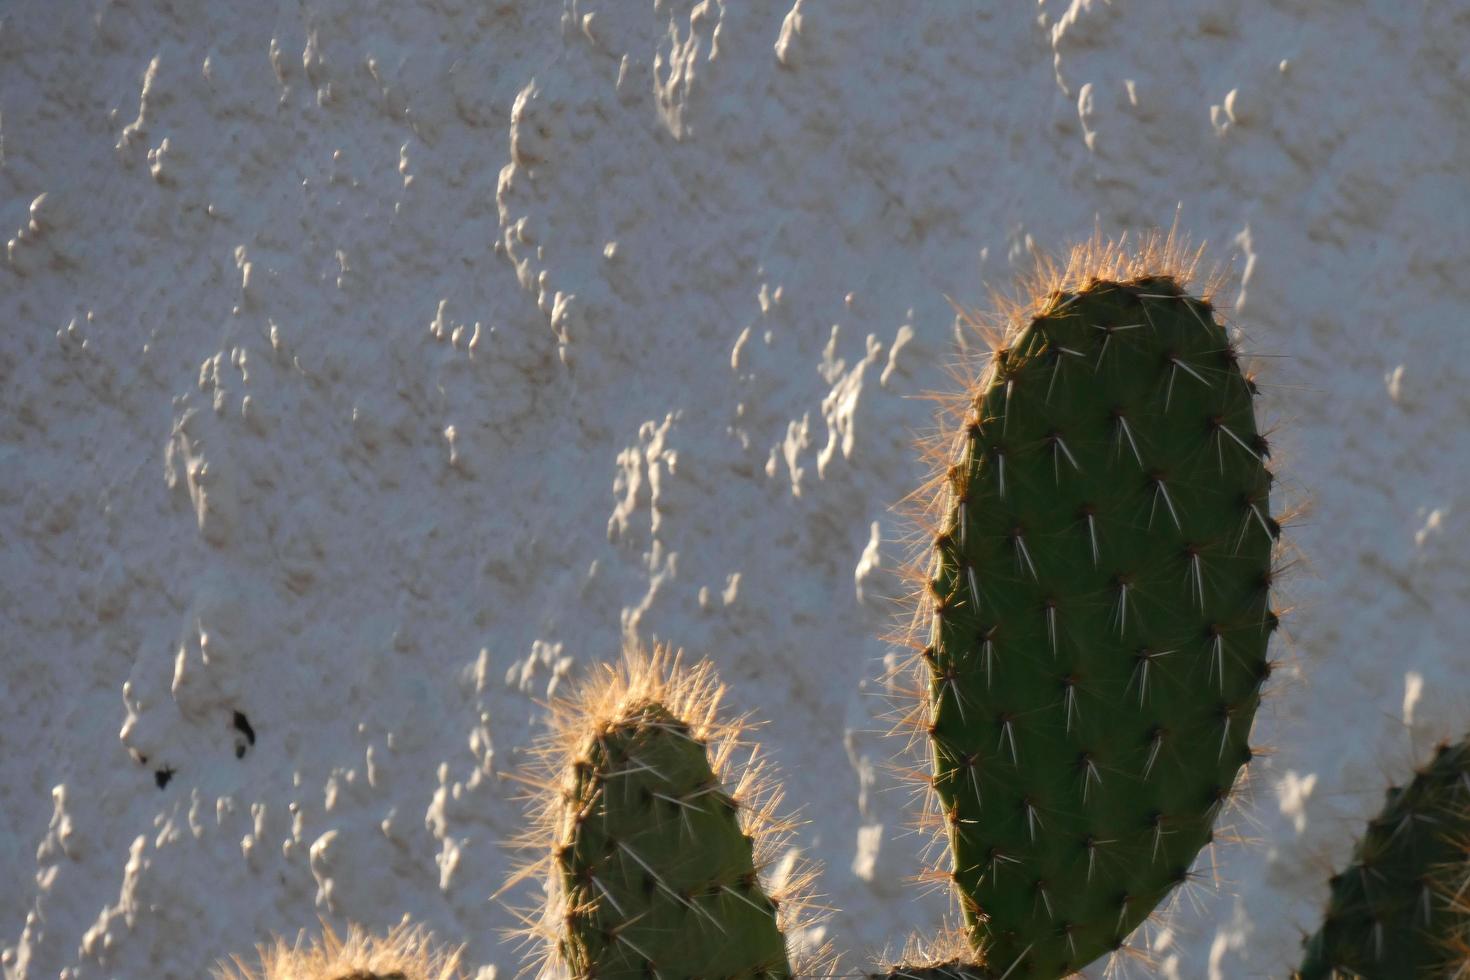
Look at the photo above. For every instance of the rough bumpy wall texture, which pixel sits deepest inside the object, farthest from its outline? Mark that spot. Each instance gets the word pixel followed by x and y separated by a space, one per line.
pixel 367 368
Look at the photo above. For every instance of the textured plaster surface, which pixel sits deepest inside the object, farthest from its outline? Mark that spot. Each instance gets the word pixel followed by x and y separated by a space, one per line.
pixel 371 369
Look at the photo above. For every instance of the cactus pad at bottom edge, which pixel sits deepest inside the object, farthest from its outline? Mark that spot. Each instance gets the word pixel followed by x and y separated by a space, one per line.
pixel 405 952
pixel 949 970
pixel 657 835
pixel 660 879
pixel 945 954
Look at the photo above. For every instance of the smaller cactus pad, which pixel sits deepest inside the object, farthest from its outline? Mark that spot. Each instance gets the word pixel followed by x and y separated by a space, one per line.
pixel 652 821
pixel 1402 908
pixel 949 970
pixel 659 877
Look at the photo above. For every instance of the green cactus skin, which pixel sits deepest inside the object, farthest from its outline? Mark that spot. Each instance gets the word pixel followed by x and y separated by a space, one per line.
pixel 660 880
pixel 1402 908
pixel 1099 613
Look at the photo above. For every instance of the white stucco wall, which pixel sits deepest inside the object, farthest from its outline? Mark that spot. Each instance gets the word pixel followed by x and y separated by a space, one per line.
pixel 371 368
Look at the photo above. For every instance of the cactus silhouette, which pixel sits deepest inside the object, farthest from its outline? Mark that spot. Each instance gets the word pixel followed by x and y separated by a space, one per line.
pixel 1094 607
pixel 1402 907
pixel 652 824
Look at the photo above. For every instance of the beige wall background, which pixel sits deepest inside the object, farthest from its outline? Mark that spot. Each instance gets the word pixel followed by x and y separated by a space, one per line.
pixel 372 369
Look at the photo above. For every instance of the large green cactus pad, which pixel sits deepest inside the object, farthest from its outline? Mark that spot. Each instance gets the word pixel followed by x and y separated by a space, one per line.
pixel 1100 618
pixel 660 879
pixel 1402 908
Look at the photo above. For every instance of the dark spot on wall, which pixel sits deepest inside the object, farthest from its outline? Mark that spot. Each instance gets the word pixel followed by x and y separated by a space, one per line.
pixel 243 726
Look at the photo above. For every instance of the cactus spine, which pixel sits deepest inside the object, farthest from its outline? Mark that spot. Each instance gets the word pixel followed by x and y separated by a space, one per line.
pixel 652 834
pixel 1095 610
pixel 1402 908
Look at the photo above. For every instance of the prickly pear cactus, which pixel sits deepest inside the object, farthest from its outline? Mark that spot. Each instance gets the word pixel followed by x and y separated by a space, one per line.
pixel 657 841
pixel 945 955
pixel 406 952
pixel 1096 611
pixel 950 970
pixel 658 875
pixel 1402 908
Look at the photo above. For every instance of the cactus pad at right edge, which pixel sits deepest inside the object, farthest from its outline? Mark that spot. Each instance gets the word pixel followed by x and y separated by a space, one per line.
pixel 1098 613
pixel 1402 908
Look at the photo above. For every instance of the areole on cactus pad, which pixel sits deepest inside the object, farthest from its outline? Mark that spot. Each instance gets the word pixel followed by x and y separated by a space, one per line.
pixel 1094 606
